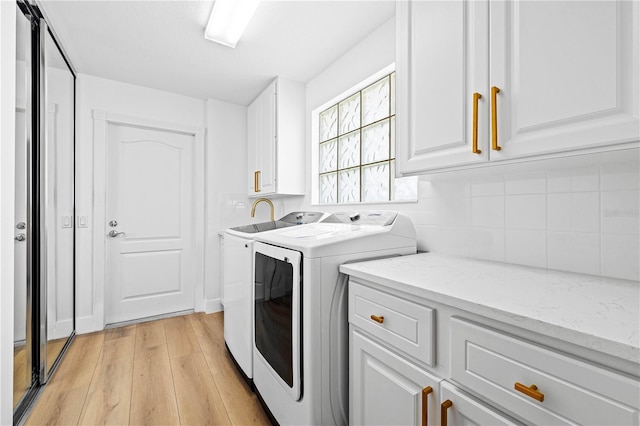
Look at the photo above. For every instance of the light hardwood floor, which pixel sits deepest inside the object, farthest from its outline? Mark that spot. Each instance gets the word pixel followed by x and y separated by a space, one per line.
pixel 166 372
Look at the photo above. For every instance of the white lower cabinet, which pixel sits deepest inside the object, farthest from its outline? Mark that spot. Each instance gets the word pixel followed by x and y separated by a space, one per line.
pixel 387 389
pixel 418 362
pixel 459 409
pixel 539 385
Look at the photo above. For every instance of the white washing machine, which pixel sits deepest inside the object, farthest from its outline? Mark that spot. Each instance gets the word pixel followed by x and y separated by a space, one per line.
pixel 238 284
pixel 301 341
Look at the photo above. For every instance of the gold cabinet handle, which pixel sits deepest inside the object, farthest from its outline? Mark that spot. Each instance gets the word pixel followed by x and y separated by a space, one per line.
pixel 378 319
pixel 425 405
pixel 256 178
pixel 443 411
pixel 494 118
pixel 531 391
pixel 474 148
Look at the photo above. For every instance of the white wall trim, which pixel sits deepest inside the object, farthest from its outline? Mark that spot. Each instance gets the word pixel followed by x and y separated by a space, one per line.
pixel 213 305
pixel 116 118
pixel 101 121
pixel 7 203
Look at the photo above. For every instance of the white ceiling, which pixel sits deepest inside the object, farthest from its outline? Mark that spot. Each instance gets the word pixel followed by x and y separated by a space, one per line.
pixel 160 44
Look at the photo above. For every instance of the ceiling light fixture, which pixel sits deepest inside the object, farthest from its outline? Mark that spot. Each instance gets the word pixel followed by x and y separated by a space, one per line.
pixel 228 20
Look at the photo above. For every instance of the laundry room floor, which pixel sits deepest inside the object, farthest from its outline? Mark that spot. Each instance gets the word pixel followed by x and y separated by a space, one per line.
pixel 171 371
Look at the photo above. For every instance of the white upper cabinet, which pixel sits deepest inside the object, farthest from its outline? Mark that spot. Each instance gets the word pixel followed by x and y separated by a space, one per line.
pixel 261 149
pixel 442 60
pixel 567 73
pixel 564 73
pixel 275 137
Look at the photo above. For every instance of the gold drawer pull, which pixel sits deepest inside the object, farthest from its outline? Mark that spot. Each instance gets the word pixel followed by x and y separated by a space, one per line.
pixel 425 407
pixel 378 319
pixel 494 119
pixel 443 411
pixel 474 147
pixel 531 391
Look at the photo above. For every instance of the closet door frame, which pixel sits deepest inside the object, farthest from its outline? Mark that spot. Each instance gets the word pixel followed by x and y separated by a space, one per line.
pixel 36 130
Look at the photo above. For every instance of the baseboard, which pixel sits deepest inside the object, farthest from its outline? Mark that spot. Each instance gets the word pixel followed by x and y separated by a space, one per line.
pixel 213 305
pixel 87 324
pixel 60 329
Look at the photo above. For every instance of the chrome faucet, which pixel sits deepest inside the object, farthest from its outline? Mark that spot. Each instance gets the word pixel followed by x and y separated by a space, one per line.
pixel 255 203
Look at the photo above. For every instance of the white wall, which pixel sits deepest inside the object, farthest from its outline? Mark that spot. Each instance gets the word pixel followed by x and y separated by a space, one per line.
pixel 7 182
pixel 113 97
pixel 225 200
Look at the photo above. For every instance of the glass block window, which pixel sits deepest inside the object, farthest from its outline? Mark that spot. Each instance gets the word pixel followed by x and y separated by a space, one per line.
pixel 357 152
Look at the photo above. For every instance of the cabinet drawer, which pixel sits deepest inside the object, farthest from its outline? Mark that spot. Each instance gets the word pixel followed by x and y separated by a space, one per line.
pixel 574 391
pixel 465 410
pixel 406 326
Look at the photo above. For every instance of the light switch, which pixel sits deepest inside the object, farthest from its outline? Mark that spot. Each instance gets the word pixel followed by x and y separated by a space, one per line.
pixel 83 222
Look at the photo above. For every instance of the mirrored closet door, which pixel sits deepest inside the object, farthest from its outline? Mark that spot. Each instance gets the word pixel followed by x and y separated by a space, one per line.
pixel 44 322
pixel 22 346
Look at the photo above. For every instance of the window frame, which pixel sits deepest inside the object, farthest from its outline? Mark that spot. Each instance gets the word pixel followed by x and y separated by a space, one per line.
pixel 315 142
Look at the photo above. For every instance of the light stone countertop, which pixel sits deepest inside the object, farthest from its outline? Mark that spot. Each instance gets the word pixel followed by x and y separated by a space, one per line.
pixel 599 313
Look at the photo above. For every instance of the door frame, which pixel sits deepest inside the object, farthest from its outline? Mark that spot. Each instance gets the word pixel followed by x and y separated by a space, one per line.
pixel 101 122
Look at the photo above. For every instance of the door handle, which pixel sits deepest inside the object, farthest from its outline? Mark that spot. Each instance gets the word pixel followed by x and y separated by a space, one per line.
pixel 113 233
pixel 20 237
pixel 21 225
pixel 474 136
pixel 494 119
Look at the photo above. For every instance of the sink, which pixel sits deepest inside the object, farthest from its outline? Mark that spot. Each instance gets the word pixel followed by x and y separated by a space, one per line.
pixel 292 219
pixel 261 227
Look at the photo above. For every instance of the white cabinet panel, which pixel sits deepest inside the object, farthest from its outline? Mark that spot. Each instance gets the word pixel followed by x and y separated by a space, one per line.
pixel 275 140
pixel 567 73
pixel 491 363
pixel 442 60
pixel 407 326
pixel 385 389
pixel 238 300
pixel 464 410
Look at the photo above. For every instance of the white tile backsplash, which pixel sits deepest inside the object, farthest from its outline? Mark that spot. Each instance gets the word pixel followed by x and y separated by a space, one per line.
pixel 575 212
pixel 526 183
pixel 524 247
pixel 456 240
pixel 620 212
pixel 574 180
pixel 493 185
pixel 574 252
pixel 621 256
pixel 578 214
pixel 488 244
pixel 456 211
pixel 526 212
pixel 487 212
pixel 617 177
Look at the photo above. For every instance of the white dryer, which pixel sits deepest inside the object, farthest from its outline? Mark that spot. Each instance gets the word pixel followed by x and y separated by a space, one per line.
pixel 238 284
pixel 301 342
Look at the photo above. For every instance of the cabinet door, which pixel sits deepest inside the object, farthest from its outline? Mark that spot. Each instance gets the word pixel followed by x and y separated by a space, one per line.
pixel 567 73
pixel 261 143
pixel 442 60
pixel 238 300
pixel 462 410
pixel 254 124
pixel 386 389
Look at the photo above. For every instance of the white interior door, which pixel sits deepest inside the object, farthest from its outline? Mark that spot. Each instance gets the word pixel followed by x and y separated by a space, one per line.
pixel 150 262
